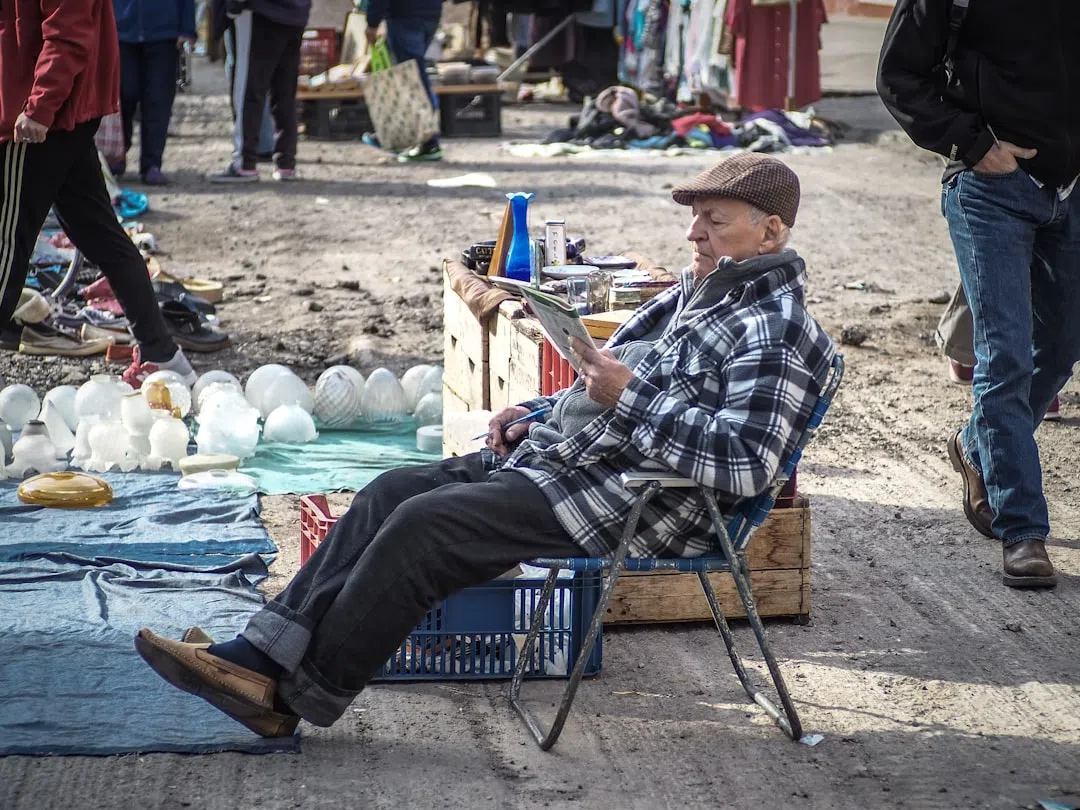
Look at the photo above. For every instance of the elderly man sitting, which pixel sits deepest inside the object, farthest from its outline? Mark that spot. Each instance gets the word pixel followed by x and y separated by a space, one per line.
pixel 714 379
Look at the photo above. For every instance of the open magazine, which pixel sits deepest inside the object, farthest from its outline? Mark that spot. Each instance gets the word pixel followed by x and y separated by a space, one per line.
pixel 559 320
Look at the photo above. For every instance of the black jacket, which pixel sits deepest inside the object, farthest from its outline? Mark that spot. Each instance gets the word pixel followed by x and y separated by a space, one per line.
pixel 1017 76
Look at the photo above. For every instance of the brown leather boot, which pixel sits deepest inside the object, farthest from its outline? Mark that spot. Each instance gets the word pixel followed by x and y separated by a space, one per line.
pixel 1026 565
pixel 976 506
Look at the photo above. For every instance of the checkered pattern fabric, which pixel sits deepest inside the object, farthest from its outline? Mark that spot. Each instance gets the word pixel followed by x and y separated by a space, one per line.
pixel 764 182
pixel 721 399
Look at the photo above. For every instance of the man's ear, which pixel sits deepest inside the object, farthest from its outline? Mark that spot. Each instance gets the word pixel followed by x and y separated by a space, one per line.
pixel 774 232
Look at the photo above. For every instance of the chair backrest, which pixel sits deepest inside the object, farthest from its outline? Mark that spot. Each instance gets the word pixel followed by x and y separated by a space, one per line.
pixel 753 511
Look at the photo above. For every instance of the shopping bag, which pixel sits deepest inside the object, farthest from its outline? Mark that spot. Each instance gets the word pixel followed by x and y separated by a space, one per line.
pixel 110 139
pixel 397 102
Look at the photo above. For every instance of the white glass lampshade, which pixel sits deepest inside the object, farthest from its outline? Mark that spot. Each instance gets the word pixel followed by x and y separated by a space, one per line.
pixel 215 377
pixel 63 397
pixel 99 396
pixel 384 398
pixel 18 405
pixel 287 389
pixel 410 381
pixel 290 424
pixel 428 410
pixel 260 380
pixel 337 398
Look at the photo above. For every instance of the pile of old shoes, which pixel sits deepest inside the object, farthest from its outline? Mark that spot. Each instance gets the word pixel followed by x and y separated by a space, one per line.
pixel 191 319
pixel 38 328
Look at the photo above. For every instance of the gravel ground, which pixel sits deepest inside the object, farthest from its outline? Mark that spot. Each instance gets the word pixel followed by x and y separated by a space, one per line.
pixel 935 686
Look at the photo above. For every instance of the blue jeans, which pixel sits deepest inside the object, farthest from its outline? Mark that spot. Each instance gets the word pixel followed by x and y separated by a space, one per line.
pixel 410 39
pixel 1018 248
pixel 148 72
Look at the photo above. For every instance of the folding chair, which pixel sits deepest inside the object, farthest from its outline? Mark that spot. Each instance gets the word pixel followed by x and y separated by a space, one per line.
pixel 733 538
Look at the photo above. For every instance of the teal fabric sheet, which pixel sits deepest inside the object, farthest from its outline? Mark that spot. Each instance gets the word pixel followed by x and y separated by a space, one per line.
pixel 337 461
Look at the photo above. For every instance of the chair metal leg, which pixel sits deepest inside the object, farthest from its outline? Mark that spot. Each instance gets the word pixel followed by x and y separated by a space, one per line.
pixel 788 719
pixel 547 739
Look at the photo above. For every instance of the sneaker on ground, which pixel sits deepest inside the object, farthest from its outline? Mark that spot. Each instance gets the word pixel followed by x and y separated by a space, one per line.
pixel 286 175
pixel 155 177
pixel 961 374
pixel 234 174
pixel 59 341
pixel 139 371
pixel 371 139
pixel 1053 413
pixel 33 307
pixel 425 151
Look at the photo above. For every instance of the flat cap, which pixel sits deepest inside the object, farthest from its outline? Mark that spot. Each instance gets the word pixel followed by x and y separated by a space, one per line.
pixel 764 182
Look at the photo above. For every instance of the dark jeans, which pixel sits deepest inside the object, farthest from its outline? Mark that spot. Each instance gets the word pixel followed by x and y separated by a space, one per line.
pixel 148 72
pixel 64 172
pixel 1018 248
pixel 412 537
pixel 410 39
pixel 267 62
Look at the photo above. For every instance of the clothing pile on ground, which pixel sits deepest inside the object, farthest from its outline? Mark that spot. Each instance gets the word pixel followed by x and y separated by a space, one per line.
pixel 69 309
pixel 620 118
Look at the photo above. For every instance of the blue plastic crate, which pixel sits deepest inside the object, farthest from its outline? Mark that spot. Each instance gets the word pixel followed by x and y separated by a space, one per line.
pixel 475 634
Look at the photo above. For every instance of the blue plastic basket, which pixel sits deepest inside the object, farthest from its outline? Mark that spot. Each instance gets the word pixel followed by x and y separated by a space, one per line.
pixel 474 635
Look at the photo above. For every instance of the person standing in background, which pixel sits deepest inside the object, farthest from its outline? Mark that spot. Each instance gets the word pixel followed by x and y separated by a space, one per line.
pixel 411 26
pixel 994 87
pixel 266 38
pixel 151 34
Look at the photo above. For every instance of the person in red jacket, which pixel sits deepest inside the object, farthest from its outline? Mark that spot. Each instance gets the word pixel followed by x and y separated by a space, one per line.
pixel 59 74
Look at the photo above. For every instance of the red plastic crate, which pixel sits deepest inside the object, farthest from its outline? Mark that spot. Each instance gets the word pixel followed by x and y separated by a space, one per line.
pixel 315 522
pixel 556 373
pixel 318 51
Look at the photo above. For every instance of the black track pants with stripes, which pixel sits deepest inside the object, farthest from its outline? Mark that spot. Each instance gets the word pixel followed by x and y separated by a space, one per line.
pixel 64 173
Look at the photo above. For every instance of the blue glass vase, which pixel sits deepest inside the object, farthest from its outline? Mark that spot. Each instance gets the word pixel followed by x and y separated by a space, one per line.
pixel 519 257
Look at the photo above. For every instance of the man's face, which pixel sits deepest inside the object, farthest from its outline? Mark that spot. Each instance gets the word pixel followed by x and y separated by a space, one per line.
pixel 723 227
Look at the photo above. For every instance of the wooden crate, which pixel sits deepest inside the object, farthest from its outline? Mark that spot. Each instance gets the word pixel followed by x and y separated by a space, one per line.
pixel 465 352
pixel 513 358
pixel 779 558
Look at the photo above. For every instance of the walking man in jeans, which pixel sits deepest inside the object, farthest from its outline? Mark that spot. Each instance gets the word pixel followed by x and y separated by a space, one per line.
pixel 58 76
pixel 411 26
pixel 994 87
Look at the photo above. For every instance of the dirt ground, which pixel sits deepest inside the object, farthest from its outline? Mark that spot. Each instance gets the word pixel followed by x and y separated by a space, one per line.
pixel 933 685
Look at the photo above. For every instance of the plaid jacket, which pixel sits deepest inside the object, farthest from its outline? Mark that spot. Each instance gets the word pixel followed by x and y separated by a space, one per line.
pixel 721 399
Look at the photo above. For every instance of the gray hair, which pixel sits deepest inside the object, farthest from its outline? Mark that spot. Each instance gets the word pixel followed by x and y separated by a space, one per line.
pixel 757 215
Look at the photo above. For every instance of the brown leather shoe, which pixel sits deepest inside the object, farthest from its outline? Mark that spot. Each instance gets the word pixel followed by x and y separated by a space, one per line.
pixel 245 696
pixel 976 506
pixel 196 635
pixel 1026 565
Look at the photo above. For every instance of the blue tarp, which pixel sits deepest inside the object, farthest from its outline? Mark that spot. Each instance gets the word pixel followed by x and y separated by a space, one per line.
pixel 338 460
pixel 149 520
pixel 71 679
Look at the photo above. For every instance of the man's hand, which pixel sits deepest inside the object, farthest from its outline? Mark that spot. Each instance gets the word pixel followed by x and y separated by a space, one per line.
pixel 499 440
pixel 604 376
pixel 27 130
pixel 372 35
pixel 1001 159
